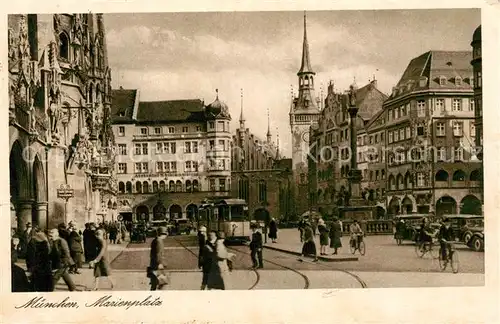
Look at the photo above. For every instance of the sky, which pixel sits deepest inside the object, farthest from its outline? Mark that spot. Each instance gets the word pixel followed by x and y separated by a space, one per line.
pixel 171 56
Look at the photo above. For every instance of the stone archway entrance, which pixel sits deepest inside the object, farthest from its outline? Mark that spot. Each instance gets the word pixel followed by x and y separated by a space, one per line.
pixel 19 187
pixel 159 211
pixel 407 206
pixel 394 208
pixel 470 205
pixel 175 211
pixel 261 214
pixel 446 205
pixel 142 213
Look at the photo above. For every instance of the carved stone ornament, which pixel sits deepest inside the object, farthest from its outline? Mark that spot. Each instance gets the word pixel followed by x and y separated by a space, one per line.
pixel 57 23
pixel 352 96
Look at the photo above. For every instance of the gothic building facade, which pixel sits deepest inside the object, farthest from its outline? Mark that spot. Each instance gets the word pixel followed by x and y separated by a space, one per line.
pixel 259 175
pixel 304 112
pixel 59 132
pixel 172 155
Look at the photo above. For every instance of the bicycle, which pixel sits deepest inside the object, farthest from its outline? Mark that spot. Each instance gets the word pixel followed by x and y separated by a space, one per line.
pixel 422 248
pixel 451 257
pixel 361 247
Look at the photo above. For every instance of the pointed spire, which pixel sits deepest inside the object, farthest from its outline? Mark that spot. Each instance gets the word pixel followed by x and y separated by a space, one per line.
pixel 216 94
pixel 268 127
pixel 242 118
pixel 305 67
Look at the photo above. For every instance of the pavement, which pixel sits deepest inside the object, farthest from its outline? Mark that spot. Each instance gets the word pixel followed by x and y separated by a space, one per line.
pixel 289 242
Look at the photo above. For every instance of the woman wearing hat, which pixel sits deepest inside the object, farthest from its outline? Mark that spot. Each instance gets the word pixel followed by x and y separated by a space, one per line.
pixel 101 264
pixel 309 247
pixel 323 236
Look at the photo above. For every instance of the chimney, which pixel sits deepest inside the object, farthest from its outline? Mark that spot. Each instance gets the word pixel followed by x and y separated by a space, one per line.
pixel 374 83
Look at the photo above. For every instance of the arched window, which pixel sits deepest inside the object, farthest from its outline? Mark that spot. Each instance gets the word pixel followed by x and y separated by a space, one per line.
pixel 459 175
pixel 121 187
pixel 138 187
pixel 475 175
pixel 162 186
pixel 178 186
pixel 400 181
pixel 441 175
pixel 408 181
pixel 145 187
pixel 188 186
pixel 129 187
pixel 171 186
pixel 155 186
pixel 392 182
pixel 196 186
pixel 262 190
pixel 64 46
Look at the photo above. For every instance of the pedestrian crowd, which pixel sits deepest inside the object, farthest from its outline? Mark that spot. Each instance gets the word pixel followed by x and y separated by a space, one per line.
pixel 60 252
pixel 328 236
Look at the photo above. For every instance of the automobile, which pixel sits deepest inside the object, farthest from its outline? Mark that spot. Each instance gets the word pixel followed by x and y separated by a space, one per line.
pixel 179 226
pixel 138 233
pixel 153 227
pixel 468 229
pixel 410 227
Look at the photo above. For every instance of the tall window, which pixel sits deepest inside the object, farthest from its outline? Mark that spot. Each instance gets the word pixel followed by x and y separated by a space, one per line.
pixel 396 136
pixel 171 130
pixel 262 191
pixel 471 104
pixel 64 46
pixel 145 148
pixel 408 132
pixel 440 130
pixel 122 168
pixel 144 131
pixel 402 134
pixel 458 128
pixel 187 147
pixel 459 154
pixel 121 131
pixel 457 104
pixel 479 80
pixel 222 184
pixel 439 105
pixel 185 129
pixel 188 166
pixel 421 108
pixel 420 179
pixel 159 167
pixel 157 130
pixel 472 130
pixel 159 148
pixel 441 154
pixel 138 149
pixel 212 184
pixel 390 137
pixel 122 149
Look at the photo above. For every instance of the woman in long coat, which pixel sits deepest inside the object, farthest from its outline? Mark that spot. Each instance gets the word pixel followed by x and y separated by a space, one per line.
pixel 218 277
pixel 323 236
pixel 309 247
pixel 76 249
pixel 273 230
pixel 335 235
pixel 101 264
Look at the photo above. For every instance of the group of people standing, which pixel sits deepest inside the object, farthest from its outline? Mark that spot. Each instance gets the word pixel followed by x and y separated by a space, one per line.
pixel 57 253
pixel 328 236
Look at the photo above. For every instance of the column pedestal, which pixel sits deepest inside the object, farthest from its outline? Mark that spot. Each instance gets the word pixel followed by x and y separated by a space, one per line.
pixel 42 214
pixel 24 213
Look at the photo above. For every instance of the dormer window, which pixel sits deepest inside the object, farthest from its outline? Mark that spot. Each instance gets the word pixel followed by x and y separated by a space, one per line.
pixel 422 82
pixel 442 80
pixel 458 81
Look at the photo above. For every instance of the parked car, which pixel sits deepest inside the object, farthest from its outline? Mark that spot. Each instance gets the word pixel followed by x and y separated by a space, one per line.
pixel 153 227
pixel 468 229
pixel 138 233
pixel 179 226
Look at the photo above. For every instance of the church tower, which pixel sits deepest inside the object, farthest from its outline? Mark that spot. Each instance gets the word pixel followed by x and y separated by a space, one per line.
pixel 304 112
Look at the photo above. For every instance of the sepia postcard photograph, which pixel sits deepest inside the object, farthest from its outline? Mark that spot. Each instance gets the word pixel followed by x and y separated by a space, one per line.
pixel 275 151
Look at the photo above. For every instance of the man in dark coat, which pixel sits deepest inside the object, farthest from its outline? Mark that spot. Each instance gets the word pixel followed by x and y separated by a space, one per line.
pixel 157 261
pixel 76 249
pixel 40 264
pixel 90 242
pixel 202 240
pixel 19 280
pixel 256 247
pixel 207 255
pixel 61 259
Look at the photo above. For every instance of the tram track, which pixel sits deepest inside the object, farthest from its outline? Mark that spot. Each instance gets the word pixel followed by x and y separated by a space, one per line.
pixel 257 274
pixel 306 279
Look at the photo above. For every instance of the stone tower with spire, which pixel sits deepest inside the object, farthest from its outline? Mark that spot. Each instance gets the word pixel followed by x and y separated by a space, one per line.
pixel 304 113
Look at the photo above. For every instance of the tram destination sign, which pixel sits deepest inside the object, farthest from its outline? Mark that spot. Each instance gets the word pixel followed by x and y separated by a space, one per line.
pixel 65 191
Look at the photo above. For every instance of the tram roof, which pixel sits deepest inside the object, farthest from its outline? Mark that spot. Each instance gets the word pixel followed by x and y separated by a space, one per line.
pixel 232 202
pixel 462 216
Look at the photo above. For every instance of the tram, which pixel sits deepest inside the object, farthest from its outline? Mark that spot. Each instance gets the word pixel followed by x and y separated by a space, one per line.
pixel 229 216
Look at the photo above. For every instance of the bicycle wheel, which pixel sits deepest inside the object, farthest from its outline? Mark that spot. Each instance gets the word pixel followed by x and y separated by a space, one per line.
pixel 419 249
pixel 352 247
pixel 362 248
pixel 442 263
pixel 434 251
pixel 454 261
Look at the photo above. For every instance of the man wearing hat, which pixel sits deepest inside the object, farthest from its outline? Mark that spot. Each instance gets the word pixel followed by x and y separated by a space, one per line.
pixel 256 246
pixel 156 258
pixel 202 240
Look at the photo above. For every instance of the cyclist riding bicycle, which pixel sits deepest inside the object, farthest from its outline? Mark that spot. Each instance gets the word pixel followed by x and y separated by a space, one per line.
pixel 446 236
pixel 426 232
pixel 356 233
